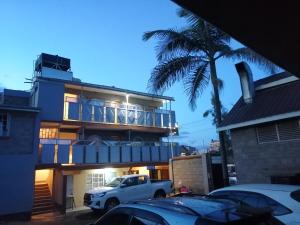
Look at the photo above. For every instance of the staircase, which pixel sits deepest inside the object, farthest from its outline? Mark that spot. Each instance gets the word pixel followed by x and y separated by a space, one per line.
pixel 43 202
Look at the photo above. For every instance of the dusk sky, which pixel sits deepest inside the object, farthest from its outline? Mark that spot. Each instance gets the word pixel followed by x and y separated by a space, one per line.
pixel 103 39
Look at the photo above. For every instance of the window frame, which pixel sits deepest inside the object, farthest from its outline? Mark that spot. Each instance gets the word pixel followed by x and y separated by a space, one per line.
pixel 8 124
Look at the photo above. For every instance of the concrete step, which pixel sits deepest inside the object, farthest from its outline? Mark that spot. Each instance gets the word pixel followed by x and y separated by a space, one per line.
pixel 42 189
pixel 43 203
pixel 43 212
pixel 44 198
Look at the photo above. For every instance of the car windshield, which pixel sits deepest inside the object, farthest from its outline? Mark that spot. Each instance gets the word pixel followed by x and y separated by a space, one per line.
pixel 115 182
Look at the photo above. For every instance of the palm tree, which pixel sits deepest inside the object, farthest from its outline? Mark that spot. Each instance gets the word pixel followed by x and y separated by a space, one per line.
pixel 189 55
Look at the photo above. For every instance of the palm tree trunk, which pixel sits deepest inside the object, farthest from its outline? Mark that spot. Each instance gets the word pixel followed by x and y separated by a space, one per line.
pixel 214 80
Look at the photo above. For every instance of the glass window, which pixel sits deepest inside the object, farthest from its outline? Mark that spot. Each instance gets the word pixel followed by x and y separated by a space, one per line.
pixel 296 195
pixel 131 181
pixel 94 180
pixel 255 200
pixel 4 124
pixel 142 221
pixel 142 180
pixel 114 219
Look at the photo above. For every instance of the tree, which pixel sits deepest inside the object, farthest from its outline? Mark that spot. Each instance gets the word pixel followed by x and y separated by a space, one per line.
pixel 189 55
pixel 212 111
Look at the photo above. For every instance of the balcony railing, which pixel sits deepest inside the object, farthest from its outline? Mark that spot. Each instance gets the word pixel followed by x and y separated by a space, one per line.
pixel 86 112
pixel 54 151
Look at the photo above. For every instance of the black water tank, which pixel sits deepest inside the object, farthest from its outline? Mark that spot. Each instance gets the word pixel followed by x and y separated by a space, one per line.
pixel 52 61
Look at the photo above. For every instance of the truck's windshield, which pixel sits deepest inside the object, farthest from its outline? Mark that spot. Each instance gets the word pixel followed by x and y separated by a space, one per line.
pixel 115 182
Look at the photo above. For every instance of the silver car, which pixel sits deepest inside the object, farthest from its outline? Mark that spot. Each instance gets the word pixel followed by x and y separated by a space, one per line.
pixel 184 211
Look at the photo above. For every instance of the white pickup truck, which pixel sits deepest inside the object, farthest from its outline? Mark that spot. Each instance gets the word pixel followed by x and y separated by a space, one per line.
pixel 126 188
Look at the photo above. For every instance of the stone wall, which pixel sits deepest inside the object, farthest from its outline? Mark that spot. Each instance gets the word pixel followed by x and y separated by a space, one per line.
pixel 256 163
pixel 190 171
pixel 21 137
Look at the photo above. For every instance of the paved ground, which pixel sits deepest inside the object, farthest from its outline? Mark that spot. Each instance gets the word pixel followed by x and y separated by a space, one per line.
pixel 74 218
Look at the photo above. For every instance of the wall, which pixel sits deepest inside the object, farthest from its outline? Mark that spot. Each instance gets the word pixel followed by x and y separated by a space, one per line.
pixel 16 97
pixel 18 155
pixel 16 183
pixel 190 171
pixel 51 100
pixel 256 163
pixel 58 187
pixel 21 133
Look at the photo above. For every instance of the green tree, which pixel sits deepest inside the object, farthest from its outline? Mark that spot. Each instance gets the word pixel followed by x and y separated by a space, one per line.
pixel 189 55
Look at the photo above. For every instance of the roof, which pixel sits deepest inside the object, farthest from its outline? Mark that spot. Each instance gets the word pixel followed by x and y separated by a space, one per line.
pixel 16 93
pixel 19 108
pixel 266 187
pixel 272 78
pixel 110 88
pixel 277 101
pixel 259 32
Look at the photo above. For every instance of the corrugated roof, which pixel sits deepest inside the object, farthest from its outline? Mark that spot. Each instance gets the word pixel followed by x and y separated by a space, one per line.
pixel 276 100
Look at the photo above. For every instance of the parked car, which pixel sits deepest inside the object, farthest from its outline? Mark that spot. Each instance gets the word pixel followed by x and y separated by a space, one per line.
pixel 284 200
pixel 126 188
pixel 184 211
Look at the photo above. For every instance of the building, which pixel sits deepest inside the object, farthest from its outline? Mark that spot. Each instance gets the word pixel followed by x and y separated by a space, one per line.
pixel 88 134
pixel 265 128
pixel 19 128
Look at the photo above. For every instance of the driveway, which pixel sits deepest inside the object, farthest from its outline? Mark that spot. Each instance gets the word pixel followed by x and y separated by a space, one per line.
pixel 73 218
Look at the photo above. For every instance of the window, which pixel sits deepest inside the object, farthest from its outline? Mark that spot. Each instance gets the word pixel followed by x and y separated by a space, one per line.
pixel 131 181
pixel 142 180
pixel 48 133
pixel 142 221
pixel 4 124
pixel 289 130
pixel 255 200
pixel 296 195
pixel 280 131
pixel 94 180
pixel 267 133
pixel 115 219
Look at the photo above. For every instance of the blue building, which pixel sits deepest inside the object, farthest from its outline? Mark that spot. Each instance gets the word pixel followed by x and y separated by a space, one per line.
pixel 82 136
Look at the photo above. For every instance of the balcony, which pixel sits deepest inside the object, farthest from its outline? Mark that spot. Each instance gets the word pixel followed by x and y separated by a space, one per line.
pixel 54 151
pixel 118 114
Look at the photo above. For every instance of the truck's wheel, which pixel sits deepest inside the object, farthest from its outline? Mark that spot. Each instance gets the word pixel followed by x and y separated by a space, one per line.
pixel 160 194
pixel 111 203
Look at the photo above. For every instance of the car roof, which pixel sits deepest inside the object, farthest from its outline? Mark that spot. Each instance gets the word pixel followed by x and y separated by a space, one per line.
pixel 219 210
pixel 269 187
pixel 168 215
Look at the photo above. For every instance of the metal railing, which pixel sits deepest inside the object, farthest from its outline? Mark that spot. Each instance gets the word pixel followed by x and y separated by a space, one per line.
pixel 77 111
pixel 53 151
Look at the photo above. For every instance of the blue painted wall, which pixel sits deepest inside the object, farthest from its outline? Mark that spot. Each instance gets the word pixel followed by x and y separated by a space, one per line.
pixel 16 183
pixel 18 157
pixel 51 100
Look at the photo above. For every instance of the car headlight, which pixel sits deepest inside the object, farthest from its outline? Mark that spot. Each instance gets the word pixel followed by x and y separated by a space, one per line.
pixel 99 195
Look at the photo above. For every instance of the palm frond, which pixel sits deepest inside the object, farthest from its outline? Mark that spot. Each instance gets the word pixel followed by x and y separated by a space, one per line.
pixel 167 73
pixel 220 84
pixel 189 16
pixel 173 43
pixel 252 57
pixel 196 83
pixel 207 112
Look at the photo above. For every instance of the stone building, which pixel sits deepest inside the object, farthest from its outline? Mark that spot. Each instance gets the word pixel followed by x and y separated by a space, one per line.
pixel 265 128
pixel 19 127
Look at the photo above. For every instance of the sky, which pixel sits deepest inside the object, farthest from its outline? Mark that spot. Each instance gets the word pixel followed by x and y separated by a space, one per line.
pixel 103 39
